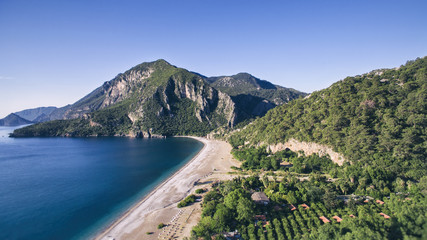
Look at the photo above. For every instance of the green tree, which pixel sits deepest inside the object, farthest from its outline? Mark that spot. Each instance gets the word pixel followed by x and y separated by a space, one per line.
pixel 245 210
pixel 290 197
pixel 330 199
pixel 222 218
pixel 209 208
pixel 232 199
pixel 205 228
pixel 314 194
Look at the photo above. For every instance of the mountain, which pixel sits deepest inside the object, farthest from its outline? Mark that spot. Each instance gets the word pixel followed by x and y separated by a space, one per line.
pixel 254 96
pixel 239 83
pixel 12 120
pixel 42 118
pixel 376 119
pixel 150 98
pixel 36 114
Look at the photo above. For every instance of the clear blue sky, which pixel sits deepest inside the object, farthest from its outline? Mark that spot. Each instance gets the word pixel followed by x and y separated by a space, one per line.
pixel 55 52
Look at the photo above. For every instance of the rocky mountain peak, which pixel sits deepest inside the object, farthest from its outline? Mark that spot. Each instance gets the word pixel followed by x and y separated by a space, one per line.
pixel 159 64
pixel 167 100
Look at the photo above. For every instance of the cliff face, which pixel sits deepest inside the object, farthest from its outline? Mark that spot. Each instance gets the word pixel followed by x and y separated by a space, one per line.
pixel 308 148
pixel 253 96
pixel 208 100
pixel 124 85
pixel 184 104
pixel 110 93
pixel 149 99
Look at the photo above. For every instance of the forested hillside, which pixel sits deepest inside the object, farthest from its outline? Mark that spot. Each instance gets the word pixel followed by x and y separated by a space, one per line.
pixel 377 119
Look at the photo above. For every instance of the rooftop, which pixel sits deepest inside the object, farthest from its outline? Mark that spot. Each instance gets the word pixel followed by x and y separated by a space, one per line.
pixel 324 219
pixel 260 196
pixel 305 206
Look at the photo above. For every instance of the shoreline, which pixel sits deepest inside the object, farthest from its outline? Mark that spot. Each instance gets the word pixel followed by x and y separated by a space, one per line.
pixel 210 164
pixel 102 234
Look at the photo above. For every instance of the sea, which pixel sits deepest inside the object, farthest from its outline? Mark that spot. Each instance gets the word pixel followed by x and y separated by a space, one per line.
pixel 73 188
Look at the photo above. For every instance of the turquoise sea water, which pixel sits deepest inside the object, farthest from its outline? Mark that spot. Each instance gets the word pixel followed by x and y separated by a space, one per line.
pixel 70 188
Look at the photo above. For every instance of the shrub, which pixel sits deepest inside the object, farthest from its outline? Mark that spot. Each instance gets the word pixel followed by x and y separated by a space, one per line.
pixel 200 190
pixel 187 201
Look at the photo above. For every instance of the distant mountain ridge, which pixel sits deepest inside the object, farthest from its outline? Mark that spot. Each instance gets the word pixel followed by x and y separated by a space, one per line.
pixel 13 120
pixel 245 83
pixel 36 114
pixel 239 83
pixel 152 98
pixel 253 95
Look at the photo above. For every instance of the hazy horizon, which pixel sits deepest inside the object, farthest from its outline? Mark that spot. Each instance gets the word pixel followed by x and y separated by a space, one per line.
pixel 54 53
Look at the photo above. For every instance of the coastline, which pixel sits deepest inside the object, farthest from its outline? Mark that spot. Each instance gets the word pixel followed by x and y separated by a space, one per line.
pixel 160 205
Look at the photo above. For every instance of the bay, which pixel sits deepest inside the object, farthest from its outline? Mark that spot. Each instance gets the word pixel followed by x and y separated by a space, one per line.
pixel 70 188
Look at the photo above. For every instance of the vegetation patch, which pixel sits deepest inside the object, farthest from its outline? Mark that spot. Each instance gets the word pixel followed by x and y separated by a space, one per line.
pixel 200 191
pixel 161 225
pixel 312 198
pixel 187 201
pixel 312 209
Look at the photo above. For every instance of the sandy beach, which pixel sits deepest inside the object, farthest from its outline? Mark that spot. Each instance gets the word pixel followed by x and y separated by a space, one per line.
pixel 160 206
